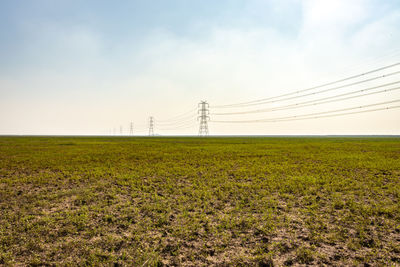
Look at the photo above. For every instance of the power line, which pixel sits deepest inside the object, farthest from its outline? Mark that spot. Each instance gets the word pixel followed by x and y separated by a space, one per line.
pixel 144 132
pixel 186 119
pixel 178 117
pixel 254 102
pixel 342 114
pixel 176 126
pixel 179 128
pixel 308 115
pixel 323 91
pixel 368 63
pixel 317 101
pixel 141 127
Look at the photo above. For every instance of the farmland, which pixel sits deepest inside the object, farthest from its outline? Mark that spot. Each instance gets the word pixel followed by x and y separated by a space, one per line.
pixel 199 201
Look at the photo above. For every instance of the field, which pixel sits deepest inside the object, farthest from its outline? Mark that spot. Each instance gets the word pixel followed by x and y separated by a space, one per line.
pixel 199 201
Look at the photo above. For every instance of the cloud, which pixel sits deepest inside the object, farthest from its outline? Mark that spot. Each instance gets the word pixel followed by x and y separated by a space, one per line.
pixel 79 70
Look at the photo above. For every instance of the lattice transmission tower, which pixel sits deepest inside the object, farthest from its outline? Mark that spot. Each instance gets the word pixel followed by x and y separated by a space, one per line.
pixel 203 117
pixel 151 126
pixel 131 128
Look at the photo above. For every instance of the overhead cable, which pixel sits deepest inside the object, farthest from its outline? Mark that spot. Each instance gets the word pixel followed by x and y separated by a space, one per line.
pixel 255 102
pixel 307 115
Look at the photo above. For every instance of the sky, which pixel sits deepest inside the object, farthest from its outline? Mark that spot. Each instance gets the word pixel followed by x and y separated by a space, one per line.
pixel 88 67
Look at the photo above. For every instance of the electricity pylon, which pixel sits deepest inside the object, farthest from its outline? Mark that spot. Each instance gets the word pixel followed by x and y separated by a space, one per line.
pixel 120 130
pixel 151 126
pixel 131 129
pixel 203 116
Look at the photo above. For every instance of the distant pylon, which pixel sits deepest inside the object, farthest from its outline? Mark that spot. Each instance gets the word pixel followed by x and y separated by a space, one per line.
pixel 203 116
pixel 120 130
pixel 131 129
pixel 151 126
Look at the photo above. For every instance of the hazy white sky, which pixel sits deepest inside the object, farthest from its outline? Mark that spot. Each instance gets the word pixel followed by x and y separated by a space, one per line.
pixel 87 67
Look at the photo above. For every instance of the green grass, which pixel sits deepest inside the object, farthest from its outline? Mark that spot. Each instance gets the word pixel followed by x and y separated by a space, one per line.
pixel 199 201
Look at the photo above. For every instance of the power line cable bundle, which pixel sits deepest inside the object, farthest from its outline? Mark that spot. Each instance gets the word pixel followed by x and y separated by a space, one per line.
pixel 183 121
pixel 374 83
pixel 351 81
pixel 275 98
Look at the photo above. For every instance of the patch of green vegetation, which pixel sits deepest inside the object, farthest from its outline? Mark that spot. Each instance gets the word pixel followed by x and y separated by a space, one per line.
pixel 199 201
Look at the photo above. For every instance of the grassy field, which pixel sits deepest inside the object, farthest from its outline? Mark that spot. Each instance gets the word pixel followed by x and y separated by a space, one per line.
pixel 199 201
